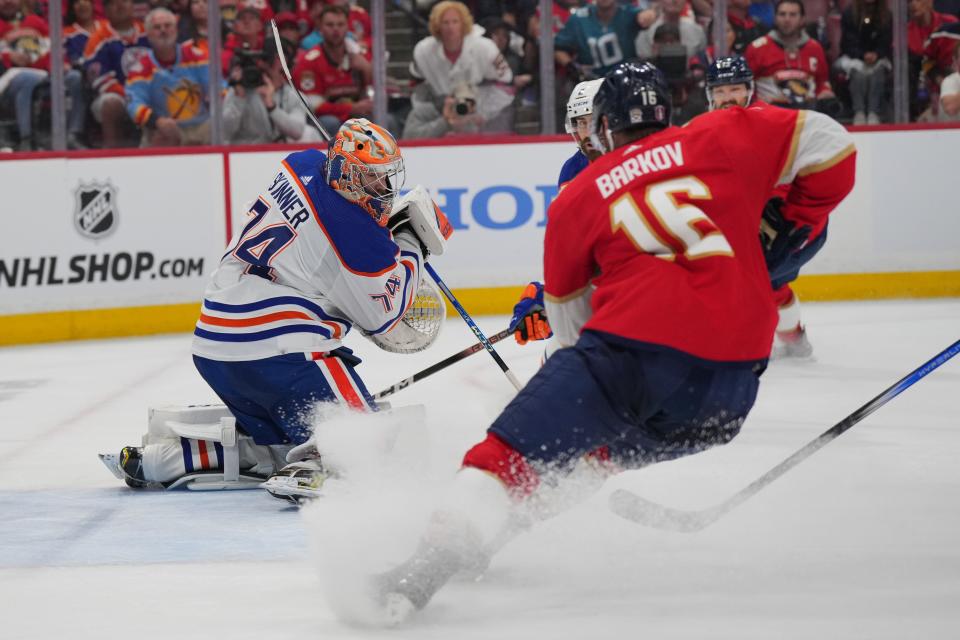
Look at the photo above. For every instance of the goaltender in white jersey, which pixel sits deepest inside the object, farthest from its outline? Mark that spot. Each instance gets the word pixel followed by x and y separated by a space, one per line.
pixel 325 248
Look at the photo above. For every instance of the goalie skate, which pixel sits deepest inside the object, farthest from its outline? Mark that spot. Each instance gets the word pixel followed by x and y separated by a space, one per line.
pixel 128 466
pixel 297 482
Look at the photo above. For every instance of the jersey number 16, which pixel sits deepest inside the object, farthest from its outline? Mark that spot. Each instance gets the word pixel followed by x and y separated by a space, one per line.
pixel 665 228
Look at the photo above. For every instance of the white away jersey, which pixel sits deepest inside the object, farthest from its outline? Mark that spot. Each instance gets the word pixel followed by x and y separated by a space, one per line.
pixel 307 266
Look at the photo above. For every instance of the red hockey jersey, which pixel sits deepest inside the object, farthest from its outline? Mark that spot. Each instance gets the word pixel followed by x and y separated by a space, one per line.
pixel 788 77
pixel 332 88
pixel 657 241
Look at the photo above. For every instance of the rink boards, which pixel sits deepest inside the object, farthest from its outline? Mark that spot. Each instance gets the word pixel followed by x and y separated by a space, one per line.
pixel 99 245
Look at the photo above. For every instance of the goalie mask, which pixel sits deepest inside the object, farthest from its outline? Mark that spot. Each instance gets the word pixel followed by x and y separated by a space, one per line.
pixel 364 165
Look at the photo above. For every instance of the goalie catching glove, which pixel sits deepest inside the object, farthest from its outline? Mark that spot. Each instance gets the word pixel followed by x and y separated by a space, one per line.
pixel 416 213
pixel 779 237
pixel 529 321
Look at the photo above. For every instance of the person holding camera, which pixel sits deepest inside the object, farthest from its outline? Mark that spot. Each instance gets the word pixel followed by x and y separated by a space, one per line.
pixel 167 88
pixel 259 107
pixel 466 84
pixel 791 67
pixel 335 81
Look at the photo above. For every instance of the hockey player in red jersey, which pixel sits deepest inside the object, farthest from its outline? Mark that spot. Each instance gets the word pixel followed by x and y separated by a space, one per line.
pixel 729 83
pixel 657 287
pixel 790 67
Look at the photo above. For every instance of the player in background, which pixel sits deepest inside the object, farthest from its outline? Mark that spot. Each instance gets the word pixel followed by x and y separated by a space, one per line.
pixel 657 286
pixel 529 319
pixel 579 112
pixel 322 252
pixel 729 83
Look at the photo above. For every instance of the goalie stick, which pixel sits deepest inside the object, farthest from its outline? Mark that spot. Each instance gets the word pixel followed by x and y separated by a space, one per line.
pixel 443 364
pixel 629 505
pixel 286 72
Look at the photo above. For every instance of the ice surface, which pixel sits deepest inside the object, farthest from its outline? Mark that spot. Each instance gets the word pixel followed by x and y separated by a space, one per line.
pixel 859 541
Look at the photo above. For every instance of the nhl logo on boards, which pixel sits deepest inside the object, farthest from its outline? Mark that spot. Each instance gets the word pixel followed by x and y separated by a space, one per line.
pixel 95 210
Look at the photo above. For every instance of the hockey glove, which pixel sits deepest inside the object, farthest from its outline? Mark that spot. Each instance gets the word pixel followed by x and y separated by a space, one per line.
pixel 529 321
pixel 418 214
pixel 779 237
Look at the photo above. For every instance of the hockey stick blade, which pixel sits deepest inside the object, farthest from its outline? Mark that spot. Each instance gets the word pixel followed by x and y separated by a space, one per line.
pixel 632 507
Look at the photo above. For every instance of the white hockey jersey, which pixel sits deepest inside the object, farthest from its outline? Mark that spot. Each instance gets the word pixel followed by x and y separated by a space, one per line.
pixel 307 266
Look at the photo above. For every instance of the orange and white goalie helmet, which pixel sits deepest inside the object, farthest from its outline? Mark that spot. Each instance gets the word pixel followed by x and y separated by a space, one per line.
pixel 365 166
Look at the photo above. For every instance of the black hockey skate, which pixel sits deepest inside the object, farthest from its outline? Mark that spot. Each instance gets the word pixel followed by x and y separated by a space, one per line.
pixel 128 466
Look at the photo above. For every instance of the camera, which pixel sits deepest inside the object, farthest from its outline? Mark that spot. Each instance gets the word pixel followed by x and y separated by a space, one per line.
pixel 251 76
pixel 465 99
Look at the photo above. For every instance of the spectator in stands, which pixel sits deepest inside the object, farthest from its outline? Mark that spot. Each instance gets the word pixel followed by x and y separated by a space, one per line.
pixel 500 32
pixel 24 58
pixel 192 25
pixel 745 25
pixel 358 28
pixel 466 84
pixel 289 26
pixel 691 34
pixel 865 47
pixel 950 90
pixel 260 106
pixel 789 66
pixel 140 9
pixel 561 13
pixel 335 82
pixel 103 64
pixel 167 87
pixel 81 23
pixel 246 34
pixel 938 52
pixel 924 21
pixel 599 36
pixel 745 28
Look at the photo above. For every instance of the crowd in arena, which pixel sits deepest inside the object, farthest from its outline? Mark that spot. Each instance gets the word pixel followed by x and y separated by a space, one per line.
pixel 136 70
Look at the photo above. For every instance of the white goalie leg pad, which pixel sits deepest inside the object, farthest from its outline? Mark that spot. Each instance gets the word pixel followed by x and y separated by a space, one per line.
pixel 183 441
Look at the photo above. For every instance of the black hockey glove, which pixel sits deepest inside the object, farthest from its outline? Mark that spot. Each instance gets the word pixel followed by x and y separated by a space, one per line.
pixel 779 237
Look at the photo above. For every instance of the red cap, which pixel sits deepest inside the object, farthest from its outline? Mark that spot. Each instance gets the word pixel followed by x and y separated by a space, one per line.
pixel 287 18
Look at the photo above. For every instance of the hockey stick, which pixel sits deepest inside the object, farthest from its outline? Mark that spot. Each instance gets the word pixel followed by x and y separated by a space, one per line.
pixel 286 72
pixel 488 345
pixel 632 507
pixel 443 364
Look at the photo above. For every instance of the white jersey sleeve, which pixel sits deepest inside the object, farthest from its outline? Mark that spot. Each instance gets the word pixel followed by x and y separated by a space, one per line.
pixel 306 267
